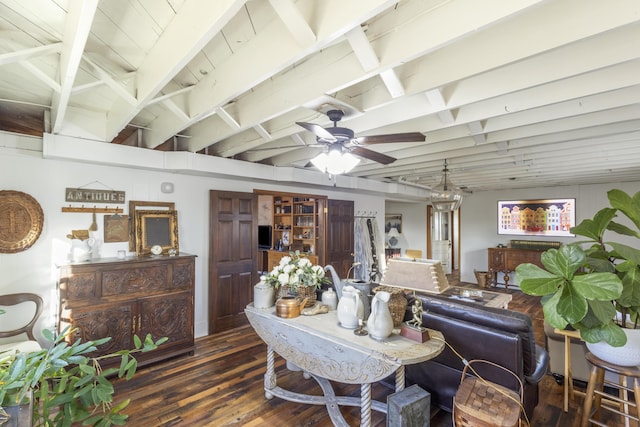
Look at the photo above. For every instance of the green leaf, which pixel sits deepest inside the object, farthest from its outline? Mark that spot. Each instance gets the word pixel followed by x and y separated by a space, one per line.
pixel 565 261
pixel 571 305
pixel 550 310
pixel 601 311
pixel 123 363
pixel 131 368
pixel 594 228
pixel 48 335
pixel 533 280
pixel 610 333
pixel 622 229
pixel 87 369
pixel 137 342
pixel 598 286
pixel 627 252
pixel 120 406
pixel 630 206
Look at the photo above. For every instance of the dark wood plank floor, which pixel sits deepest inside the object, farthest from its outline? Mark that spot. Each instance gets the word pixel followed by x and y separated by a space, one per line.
pixel 222 385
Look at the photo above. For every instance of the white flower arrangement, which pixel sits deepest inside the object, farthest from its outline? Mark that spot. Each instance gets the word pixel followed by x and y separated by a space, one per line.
pixel 295 271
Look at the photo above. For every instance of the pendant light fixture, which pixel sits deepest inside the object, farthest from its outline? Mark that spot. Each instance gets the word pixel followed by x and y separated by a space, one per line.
pixel 446 196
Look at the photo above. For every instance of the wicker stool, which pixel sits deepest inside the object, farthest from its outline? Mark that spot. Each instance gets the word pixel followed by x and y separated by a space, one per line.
pixel 593 396
pixel 481 403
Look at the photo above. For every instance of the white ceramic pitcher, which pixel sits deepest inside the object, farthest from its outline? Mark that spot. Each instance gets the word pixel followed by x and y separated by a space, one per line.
pixel 380 322
pixel 350 308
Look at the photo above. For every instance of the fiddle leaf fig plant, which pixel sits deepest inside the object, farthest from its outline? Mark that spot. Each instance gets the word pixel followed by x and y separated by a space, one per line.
pixel 592 285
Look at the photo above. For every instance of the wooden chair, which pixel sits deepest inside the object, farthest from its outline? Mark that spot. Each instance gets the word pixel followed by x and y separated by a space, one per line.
pixel 15 339
pixel 413 253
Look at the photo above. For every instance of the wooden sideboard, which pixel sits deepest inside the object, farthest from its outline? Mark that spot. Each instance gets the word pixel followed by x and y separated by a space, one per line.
pixel 505 260
pixel 120 298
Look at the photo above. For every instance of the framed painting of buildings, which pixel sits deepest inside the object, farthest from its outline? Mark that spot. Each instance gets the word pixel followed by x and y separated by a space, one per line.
pixel 544 217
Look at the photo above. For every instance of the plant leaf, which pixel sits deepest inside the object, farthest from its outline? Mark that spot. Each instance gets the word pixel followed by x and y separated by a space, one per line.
pixel 571 305
pixel 550 310
pixel 630 206
pixel 598 286
pixel 610 333
pixel 594 228
pixel 536 281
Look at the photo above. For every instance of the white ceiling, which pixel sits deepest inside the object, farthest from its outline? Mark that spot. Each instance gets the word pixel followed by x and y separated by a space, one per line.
pixel 513 93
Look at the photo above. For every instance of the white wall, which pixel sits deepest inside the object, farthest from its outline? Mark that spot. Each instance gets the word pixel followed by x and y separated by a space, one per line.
pixel 479 227
pixel 414 225
pixel 34 270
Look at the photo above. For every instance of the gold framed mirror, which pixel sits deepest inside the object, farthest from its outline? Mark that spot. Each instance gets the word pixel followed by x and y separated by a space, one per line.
pixel 156 228
pixel 135 205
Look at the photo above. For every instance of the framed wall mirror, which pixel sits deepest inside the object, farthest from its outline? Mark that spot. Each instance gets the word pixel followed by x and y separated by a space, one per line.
pixel 156 228
pixel 135 205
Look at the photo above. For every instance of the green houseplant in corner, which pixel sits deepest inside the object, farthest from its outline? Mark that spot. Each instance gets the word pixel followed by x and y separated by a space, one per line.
pixel 64 384
pixel 594 285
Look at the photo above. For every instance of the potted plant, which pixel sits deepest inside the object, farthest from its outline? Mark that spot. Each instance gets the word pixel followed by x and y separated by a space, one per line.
pixel 64 384
pixel 296 274
pixel 593 286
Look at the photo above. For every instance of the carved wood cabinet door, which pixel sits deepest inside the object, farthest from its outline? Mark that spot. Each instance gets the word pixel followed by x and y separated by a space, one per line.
pixel 168 316
pixel 106 320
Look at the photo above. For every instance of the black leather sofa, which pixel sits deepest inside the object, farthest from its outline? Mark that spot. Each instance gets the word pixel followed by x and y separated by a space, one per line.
pixel 502 336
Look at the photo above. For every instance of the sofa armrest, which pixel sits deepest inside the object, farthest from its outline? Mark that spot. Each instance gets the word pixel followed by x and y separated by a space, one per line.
pixel 542 366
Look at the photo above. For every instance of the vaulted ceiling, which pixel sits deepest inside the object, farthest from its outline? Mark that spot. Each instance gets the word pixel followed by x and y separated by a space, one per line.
pixel 512 93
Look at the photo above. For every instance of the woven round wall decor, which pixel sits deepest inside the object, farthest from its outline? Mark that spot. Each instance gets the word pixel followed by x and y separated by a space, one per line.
pixel 21 220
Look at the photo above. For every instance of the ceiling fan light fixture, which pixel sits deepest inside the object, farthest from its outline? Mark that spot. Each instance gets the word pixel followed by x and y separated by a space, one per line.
pixel 335 162
pixel 446 196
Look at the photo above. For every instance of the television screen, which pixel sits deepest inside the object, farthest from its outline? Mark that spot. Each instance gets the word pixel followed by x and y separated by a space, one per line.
pixel 264 236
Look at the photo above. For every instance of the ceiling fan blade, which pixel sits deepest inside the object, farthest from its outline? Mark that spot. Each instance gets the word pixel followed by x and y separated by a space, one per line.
pixel 372 155
pixel 390 138
pixel 318 131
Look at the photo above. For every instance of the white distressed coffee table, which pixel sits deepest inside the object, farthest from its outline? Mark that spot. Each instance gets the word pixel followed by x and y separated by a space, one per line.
pixel 325 351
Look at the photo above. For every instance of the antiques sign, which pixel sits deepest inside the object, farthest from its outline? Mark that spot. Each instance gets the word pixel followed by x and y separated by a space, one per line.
pixel 87 195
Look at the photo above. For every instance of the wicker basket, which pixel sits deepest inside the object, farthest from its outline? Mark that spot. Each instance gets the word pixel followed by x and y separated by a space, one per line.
pixel 480 403
pixel 482 277
pixel 302 292
pixel 308 292
pixel 397 303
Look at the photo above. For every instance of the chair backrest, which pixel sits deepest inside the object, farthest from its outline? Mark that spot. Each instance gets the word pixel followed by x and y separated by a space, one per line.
pixel 14 299
pixel 413 253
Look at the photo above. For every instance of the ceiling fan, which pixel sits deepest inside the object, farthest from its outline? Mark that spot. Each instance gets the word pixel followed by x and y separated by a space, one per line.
pixel 344 139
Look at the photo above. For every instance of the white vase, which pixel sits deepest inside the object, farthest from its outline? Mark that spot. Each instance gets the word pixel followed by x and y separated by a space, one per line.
pixel 330 299
pixel 627 355
pixel 350 308
pixel 380 322
pixel 264 296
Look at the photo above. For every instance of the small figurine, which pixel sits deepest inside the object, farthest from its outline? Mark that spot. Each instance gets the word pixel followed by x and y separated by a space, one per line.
pixel 416 309
pixel 413 328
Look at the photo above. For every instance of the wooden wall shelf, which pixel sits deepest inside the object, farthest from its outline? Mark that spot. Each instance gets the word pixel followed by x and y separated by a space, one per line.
pixel 94 209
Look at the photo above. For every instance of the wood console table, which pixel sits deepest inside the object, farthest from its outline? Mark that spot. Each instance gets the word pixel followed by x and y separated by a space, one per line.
pixel 327 352
pixel 505 260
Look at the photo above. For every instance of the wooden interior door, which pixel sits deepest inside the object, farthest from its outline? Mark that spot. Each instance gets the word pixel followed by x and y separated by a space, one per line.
pixel 233 254
pixel 340 236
